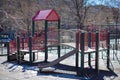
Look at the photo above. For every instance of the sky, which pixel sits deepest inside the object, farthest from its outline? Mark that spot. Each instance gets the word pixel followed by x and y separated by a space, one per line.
pixel 105 2
pixel 96 2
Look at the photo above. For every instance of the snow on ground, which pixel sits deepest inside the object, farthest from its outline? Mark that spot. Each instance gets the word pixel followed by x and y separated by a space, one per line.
pixel 13 71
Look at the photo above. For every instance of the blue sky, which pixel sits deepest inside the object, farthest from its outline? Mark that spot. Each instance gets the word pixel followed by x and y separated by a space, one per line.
pixel 105 2
pixel 96 2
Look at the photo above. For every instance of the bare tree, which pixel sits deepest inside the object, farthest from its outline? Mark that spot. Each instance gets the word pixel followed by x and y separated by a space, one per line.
pixel 115 8
pixel 79 9
pixel 116 15
pixel 26 12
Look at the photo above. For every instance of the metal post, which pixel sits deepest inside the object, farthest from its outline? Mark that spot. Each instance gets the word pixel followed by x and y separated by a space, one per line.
pixel 89 40
pixel 30 49
pixel 77 47
pixel 89 45
pixel 18 50
pixel 33 28
pixel 89 59
pixel 97 53
pixel 46 49
pixel 8 52
pixel 108 51
pixel 58 38
pixel 22 43
pixel 82 52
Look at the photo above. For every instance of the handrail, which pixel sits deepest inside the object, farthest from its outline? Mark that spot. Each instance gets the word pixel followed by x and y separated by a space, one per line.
pixel 62 44
pixel 110 62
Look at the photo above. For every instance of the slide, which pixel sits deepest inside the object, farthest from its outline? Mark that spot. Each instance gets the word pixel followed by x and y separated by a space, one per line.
pixel 57 60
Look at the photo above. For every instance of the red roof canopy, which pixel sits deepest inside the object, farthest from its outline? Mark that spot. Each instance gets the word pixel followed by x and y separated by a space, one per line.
pixel 50 15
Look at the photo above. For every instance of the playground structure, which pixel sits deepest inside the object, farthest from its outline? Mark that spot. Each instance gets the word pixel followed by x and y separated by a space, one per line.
pixel 97 42
pixel 38 40
pixel 5 38
pixel 84 43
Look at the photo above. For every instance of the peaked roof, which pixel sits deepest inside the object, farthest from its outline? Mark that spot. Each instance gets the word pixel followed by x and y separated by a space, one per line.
pixel 50 15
